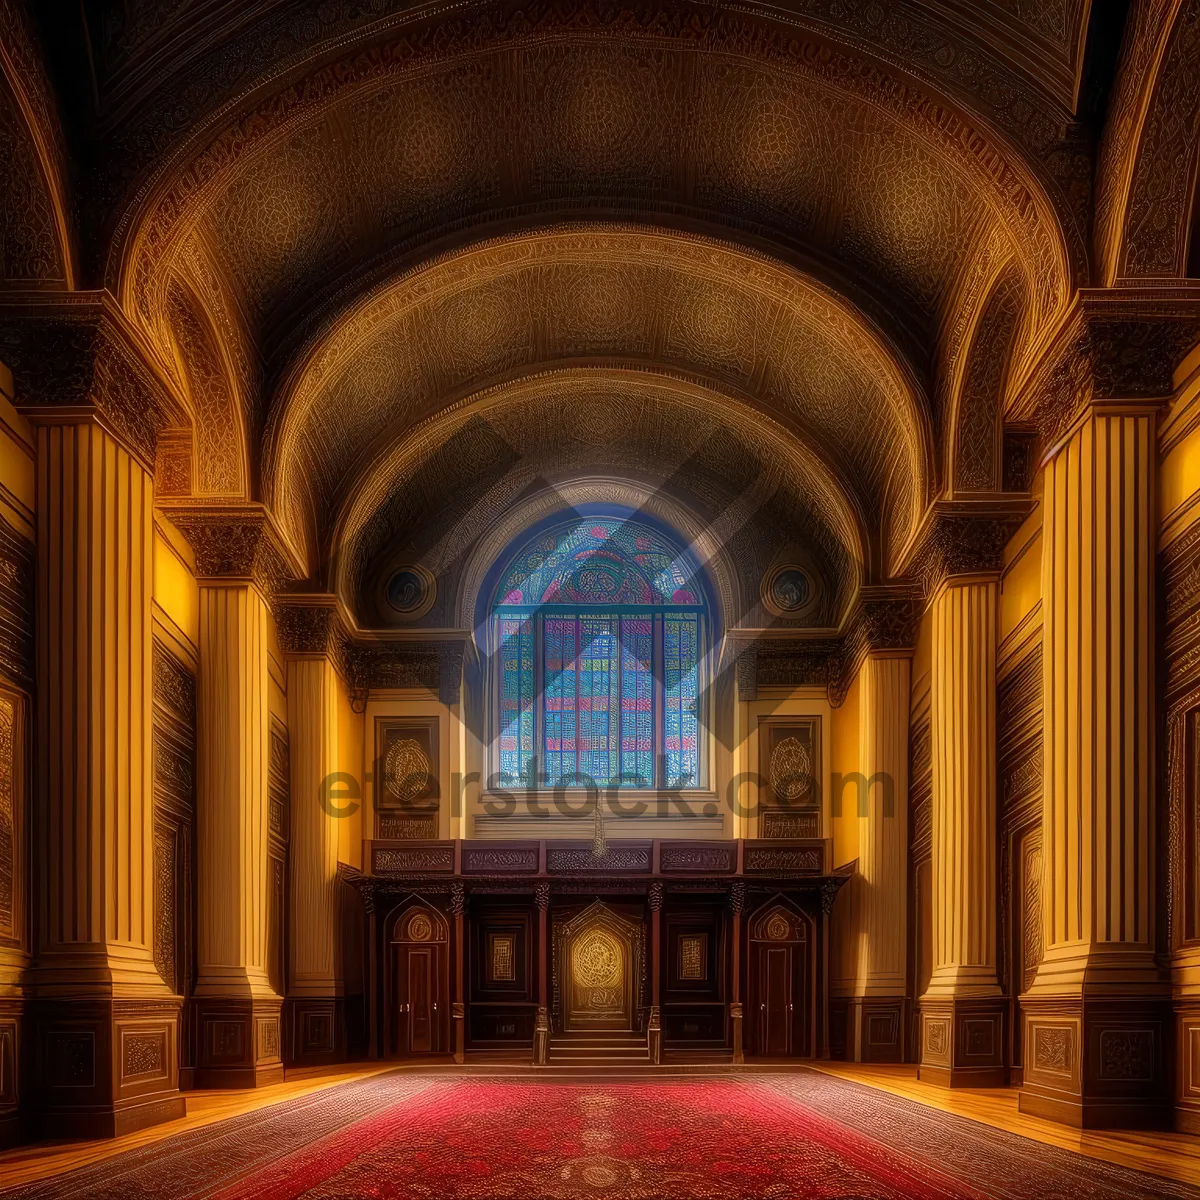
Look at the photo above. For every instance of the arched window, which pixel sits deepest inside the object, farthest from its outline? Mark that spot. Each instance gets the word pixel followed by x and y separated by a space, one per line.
pixel 599 625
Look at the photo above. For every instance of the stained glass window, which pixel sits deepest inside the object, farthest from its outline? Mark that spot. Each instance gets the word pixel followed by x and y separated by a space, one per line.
pixel 599 625
pixel 516 699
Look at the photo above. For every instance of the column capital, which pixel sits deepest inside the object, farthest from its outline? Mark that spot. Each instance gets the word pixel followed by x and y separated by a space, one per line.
pixel 884 621
pixel 1111 344
pixel 236 542
pixel 77 359
pixel 964 537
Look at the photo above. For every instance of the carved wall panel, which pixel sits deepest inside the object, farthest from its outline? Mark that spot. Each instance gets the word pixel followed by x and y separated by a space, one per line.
pixel 407 777
pixel 920 869
pixel 1019 797
pixel 279 790
pixel 16 606
pixel 173 750
pixel 1180 573
pixel 13 820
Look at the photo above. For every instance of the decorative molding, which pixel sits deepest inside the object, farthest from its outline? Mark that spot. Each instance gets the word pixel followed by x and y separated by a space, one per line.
pixel 77 359
pixel 236 542
pixel 808 860
pixel 1113 345
pixel 615 858
pixel 396 860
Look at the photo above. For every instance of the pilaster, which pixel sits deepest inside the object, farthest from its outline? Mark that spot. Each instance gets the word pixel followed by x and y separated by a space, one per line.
pixel 962 1011
pixel 106 1027
pixel 876 1011
pixel 1097 1017
pixel 316 1019
pixel 240 561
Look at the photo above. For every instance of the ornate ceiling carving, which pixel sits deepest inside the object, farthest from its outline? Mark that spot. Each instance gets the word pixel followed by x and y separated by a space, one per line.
pixel 603 294
pixel 401 141
pixel 35 212
pixel 446 484
pixel 793 263
pixel 1147 168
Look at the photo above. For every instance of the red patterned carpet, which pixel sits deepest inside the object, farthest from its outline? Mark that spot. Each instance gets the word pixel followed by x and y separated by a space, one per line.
pixel 781 1137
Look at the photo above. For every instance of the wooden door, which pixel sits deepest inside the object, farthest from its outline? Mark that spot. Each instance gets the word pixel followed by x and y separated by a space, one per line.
pixel 416 1020
pixel 775 1003
pixel 422 1010
pixel 780 976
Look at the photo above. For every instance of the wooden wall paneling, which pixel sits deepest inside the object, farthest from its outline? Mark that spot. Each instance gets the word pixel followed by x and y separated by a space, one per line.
pixel 1019 769
pixel 1179 572
pixel 174 758
pixel 279 813
pixel 920 855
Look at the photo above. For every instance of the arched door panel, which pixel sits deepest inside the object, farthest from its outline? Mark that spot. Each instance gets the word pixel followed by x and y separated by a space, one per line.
pixel 418 985
pixel 781 1000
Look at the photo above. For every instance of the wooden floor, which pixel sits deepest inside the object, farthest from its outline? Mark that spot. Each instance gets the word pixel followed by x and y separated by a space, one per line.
pixel 1172 1155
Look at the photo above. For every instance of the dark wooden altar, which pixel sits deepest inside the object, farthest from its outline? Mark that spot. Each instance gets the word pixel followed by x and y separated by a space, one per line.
pixel 706 949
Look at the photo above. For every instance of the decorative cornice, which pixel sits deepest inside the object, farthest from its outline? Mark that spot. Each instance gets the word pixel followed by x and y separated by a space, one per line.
pixel 964 537
pixel 1113 344
pixel 435 666
pixel 79 354
pixel 885 619
pixel 313 623
pixel 236 541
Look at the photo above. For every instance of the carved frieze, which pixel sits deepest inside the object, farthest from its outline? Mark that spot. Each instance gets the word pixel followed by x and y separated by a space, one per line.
pixel 711 859
pixel 1119 345
pixel 81 355
pixel 614 858
pixel 806 860
pixel 483 860
pixel 395 860
pixel 235 542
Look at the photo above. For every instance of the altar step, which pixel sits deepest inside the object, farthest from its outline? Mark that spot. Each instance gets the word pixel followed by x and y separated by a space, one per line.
pixel 598 1049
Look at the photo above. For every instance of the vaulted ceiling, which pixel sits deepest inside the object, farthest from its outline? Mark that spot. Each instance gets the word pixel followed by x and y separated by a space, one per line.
pixel 400 266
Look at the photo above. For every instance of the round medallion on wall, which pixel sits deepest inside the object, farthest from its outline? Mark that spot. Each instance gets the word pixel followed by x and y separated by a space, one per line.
pixel 411 591
pixel 406 770
pixel 779 928
pixel 791 771
pixel 420 927
pixel 789 591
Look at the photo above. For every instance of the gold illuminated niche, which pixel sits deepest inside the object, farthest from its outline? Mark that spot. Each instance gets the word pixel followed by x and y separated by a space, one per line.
pixel 693 957
pixel 503 957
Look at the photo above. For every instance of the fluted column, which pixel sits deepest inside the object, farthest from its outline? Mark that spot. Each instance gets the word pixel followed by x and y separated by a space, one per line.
pixel 314 988
pixel 238 1010
pixel 1095 1017
pixel 875 1032
pixel 962 1021
pixel 107 1020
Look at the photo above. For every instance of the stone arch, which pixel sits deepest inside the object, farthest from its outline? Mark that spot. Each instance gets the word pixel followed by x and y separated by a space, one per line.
pixel 840 531
pixel 1146 177
pixel 36 228
pixel 974 460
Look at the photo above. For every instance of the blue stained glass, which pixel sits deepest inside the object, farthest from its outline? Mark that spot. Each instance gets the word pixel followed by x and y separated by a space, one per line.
pixel 598 561
pixel 681 699
pixel 637 702
pixel 598 698
pixel 516 699
pixel 587 612
pixel 559 697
